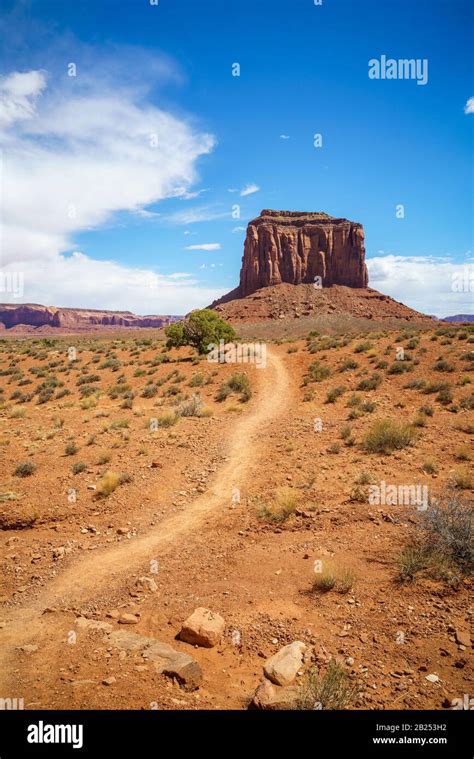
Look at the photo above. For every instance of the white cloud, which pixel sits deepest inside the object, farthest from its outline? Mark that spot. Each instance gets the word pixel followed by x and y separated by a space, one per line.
pixel 284 137
pixel 428 284
pixel 238 229
pixel 469 107
pixel 198 214
pixel 80 281
pixel 249 189
pixel 18 94
pixel 205 246
pixel 75 153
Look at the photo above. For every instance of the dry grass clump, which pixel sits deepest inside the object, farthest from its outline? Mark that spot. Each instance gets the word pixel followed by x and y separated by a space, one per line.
pixel 329 575
pixel 331 690
pixel 386 436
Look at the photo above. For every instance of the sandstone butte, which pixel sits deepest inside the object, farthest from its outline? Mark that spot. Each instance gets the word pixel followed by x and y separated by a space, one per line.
pixel 298 263
pixel 296 247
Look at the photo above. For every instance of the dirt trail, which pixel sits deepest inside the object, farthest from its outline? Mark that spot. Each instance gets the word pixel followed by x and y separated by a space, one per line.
pixel 88 575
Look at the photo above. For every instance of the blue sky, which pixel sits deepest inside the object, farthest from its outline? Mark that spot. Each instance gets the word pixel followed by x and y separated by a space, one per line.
pixel 96 216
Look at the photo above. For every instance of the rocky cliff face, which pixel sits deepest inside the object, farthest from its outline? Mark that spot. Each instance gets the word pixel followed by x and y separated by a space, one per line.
pixel 36 316
pixel 295 247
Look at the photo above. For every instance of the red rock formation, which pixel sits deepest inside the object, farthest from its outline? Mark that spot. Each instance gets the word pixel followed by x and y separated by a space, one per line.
pixel 296 247
pixel 33 315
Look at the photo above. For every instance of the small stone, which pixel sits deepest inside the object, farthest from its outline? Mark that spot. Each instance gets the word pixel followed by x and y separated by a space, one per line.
pixel 128 619
pixel 282 667
pixel 274 697
pixel 432 678
pixel 463 637
pixel 109 681
pixel 203 628
pixel 146 583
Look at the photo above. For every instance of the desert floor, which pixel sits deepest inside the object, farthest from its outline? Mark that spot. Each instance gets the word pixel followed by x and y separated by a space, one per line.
pixel 230 505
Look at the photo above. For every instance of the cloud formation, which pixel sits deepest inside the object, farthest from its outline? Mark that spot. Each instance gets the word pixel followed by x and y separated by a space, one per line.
pixel 249 189
pixel 431 285
pixel 75 152
pixel 205 246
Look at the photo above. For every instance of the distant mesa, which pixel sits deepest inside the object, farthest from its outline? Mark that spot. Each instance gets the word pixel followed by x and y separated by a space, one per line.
pixel 29 317
pixel 463 318
pixel 299 263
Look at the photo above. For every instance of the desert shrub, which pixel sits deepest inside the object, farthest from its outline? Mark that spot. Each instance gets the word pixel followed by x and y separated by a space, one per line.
pixel 386 436
pixel 467 403
pixel 419 420
pixel 354 400
pixel 363 347
pixel 426 410
pixel 448 528
pixel 149 391
pixel 348 365
pixel 283 504
pixel 368 407
pixel 317 373
pixel 334 449
pixel 120 424
pixel 71 449
pixel 104 458
pixel 463 453
pixel 443 547
pixel 334 394
pixel 445 396
pixel 125 478
pixel 331 690
pixel 345 432
pixel 398 367
pixel 25 469
pixel 62 393
pixel 462 478
pixel 371 383
pixel 107 484
pixel 443 366
pixel 111 363
pixel 167 419
pixel 412 560
pixel 434 387
pixel 86 379
pixel 192 407
pixel 237 383
pixel 79 467
pixel 415 384
pixel 429 466
pixel 331 576
pixel 197 380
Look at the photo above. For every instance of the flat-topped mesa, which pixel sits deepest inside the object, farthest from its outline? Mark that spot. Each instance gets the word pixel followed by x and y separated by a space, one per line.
pixel 296 247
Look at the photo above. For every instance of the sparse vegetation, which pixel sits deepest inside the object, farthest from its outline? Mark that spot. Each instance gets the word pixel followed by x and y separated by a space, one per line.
pixel 387 436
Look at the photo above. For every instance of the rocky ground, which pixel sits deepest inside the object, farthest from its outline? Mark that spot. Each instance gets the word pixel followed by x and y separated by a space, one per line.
pixel 159 549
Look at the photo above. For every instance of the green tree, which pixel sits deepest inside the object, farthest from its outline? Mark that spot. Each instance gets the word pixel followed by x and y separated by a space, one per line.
pixel 199 330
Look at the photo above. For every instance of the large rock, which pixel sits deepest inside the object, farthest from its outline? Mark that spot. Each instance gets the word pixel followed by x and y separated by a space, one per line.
pixel 274 697
pixel 296 247
pixel 281 668
pixel 203 628
pixel 166 660
pixel 176 664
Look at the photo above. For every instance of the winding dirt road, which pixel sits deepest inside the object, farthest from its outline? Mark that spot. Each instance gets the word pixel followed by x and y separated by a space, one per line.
pixel 86 576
